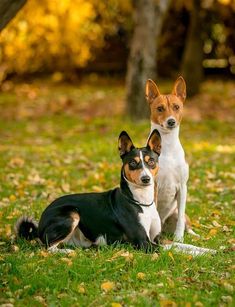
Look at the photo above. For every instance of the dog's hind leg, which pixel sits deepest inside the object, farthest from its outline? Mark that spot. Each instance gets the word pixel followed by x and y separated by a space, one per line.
pixel 170 224
pixel 59 230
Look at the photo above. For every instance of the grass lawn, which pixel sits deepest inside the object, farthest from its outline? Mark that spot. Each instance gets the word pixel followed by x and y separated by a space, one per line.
pixel 57 139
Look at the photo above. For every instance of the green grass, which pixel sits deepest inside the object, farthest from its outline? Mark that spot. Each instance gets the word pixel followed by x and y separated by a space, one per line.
pixel 48 152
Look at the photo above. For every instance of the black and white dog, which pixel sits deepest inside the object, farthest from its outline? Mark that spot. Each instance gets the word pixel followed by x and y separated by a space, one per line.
pixel 125 214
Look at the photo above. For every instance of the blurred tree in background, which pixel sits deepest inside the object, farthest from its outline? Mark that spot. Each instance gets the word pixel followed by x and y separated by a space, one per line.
pixel 69 38
pixel 59 35
pixel 8 9
pixel 148 17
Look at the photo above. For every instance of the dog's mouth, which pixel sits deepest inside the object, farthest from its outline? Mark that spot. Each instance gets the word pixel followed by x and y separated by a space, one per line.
pixel 167 128
pixel 145 184
pixel 171 127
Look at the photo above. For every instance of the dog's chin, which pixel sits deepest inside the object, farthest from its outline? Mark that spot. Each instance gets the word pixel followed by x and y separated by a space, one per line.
pixel 145 184
pixel 168 129
pixel 171 128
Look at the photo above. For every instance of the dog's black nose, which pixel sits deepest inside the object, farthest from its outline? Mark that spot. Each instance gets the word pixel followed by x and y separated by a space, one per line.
pixel 171 122
pixel 145 179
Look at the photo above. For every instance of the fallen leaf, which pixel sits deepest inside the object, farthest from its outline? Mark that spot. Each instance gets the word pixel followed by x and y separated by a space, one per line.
pixel 227 299
pixel 167 303
pixel 211 233
pixel 141 275
pixel 40 299
pixel 116 305
pixel 15 248
pixel 12 198
pixel 225 229
pixel 44 253
pixel 216 224
pixel 107 286
pixel 171 256
pixel 228 287
pixel 65 187
pixel 81 289
pixel 155 256
pixel 67 260
pixel 16 162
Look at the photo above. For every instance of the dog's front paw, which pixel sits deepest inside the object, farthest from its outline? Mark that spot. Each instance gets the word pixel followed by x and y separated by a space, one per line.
pixel 179 236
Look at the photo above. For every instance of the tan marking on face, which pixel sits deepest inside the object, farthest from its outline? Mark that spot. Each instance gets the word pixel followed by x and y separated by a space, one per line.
pixel 137 159
pixel 154 170
pixel 132 175
pixel 169 103
pixel 146 158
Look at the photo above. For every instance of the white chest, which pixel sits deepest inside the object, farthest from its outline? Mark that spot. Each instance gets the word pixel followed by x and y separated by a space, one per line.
pixel 151 222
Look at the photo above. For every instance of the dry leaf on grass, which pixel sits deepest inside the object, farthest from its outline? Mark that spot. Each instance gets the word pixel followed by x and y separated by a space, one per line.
pixel 167 303
pixel 141 275
pixel 107 286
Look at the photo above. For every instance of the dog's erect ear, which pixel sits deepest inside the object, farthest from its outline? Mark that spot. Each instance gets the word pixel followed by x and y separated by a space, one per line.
pixel 180 88
pixel 125 144
pixel 154 141
pixel 151 91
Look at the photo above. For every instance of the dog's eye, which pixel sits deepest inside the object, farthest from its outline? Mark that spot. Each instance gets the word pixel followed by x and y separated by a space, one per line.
pixel 176 107
pixel 151 162
pixel 160 109
pixel 132 163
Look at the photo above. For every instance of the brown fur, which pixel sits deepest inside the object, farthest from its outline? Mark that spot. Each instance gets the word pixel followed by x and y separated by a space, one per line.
pixel 132 175
pixel 170 105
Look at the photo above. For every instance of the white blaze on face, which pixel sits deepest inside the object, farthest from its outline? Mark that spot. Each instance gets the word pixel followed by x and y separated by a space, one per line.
pixel 145 171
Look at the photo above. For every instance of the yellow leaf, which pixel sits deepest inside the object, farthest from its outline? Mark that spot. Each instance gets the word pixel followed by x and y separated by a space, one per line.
pixel 167 303
pixel 81 289
pixel 212 233
pixel 154 256
pixel 107 286
pixel 189 257
pixel 16 162
pixel 171 256
pixel 44 253
pixel 67 260
pixel 128 256
pixel 72 254
pixel 141 275
pixel 116 305
pixel 12 198
pixel 65 187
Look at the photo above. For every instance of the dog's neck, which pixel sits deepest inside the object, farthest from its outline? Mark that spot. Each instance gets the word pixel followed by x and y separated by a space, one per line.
pixel 140 194
pixel 170 140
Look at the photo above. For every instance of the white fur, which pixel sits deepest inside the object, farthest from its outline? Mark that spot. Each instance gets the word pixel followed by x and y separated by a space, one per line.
pixel 172 178
pixel 149 219
pixel 189 249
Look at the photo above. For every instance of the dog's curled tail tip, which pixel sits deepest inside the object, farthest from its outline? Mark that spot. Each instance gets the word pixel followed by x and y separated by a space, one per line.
pixel 26 227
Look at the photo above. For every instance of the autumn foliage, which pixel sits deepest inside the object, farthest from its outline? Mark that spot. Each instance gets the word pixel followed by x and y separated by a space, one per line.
pixel 59 35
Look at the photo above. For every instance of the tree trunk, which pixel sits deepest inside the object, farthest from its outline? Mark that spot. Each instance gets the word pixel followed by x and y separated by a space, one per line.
pixel 192 69
pixel 148 16
pixel 8 9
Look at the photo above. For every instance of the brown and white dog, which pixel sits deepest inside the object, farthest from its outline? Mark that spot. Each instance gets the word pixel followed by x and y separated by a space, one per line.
pixel 166 114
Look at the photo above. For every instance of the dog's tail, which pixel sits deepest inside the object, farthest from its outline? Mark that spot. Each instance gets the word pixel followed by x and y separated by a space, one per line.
pixel 189 249
pixel 26 227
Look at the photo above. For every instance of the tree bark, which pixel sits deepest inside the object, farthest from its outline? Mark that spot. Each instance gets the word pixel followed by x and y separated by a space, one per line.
pixel 192 69
pixel 8 9
pixel 148 16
